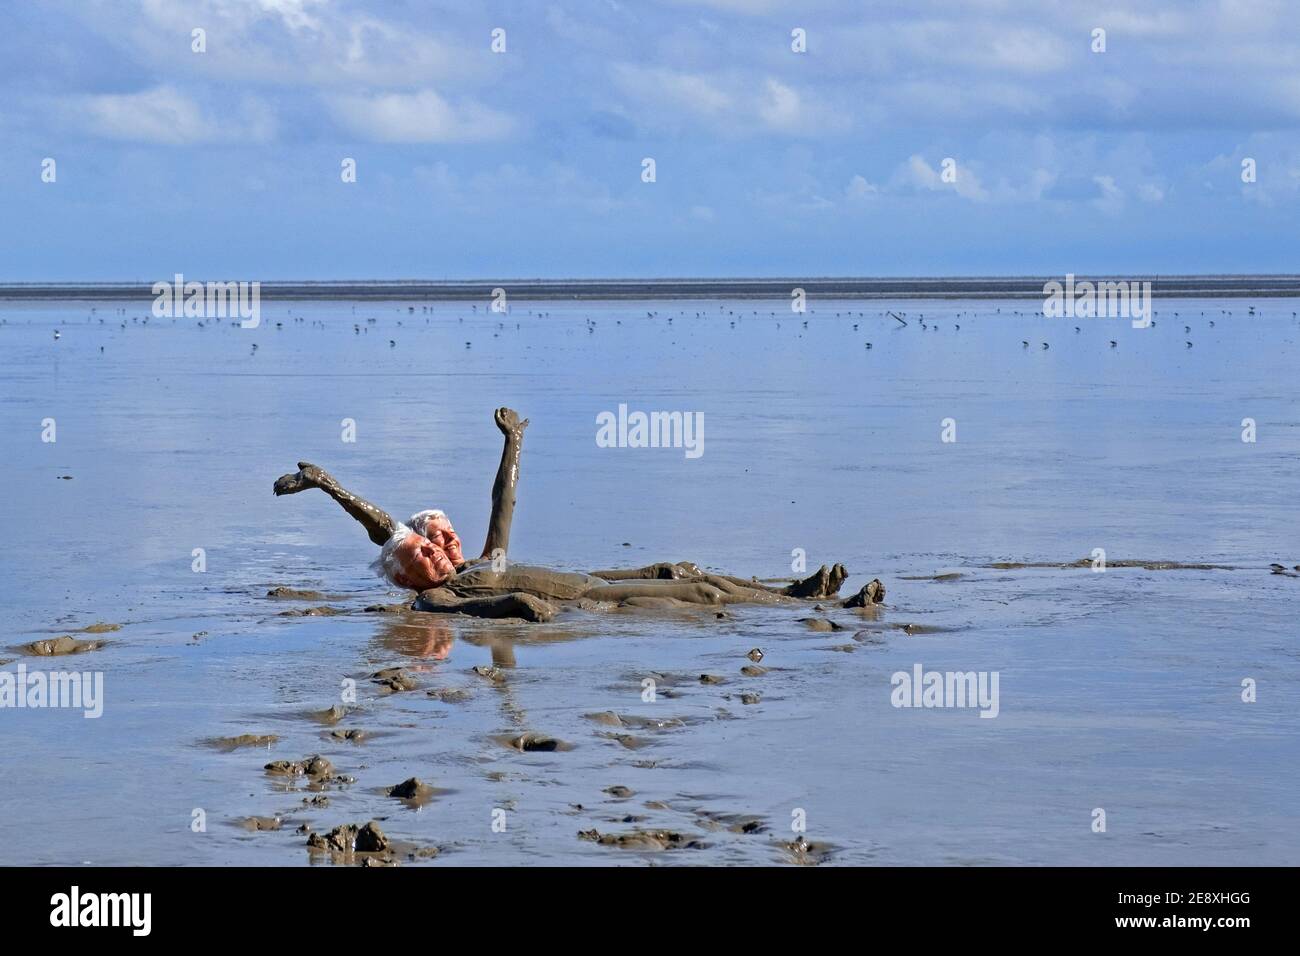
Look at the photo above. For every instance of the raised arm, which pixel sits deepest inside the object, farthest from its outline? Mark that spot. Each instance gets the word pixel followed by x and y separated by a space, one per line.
pixel 503 489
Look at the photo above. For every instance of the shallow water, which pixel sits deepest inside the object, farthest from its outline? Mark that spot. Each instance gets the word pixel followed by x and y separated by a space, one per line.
pixel 1118 690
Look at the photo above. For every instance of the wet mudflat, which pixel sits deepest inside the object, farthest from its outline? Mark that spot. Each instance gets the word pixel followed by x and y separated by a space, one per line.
pixel 474 741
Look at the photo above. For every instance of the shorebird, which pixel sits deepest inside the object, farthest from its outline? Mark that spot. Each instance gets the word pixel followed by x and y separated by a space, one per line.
pixel 1112 343
pixel 57 335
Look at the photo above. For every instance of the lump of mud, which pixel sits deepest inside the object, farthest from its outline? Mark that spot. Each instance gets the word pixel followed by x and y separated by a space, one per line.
pixel 260 823
pixel 371 839
pixel 61 645
pixel 606 717
pixel 339 840
pixel 842 648
pixel 753 670
pixel 450 695
pixel 330 715
pixel 750 698
pixel 820 624
pixel 530 743
pixel 351 734
pixel 653 840
pixel 868 637
pixel 493 673
pixel 871 593
pixel 313 766
pixel 323 610
pixel 244 740
pixel 394 680
pixel 712 679
pixel 619 791
pixel 803 853
pixel 411 789
pixel 348 838
pixel 99 627
pixel 732 822
pixel 386 608
pixel 318 771
pixel 293 594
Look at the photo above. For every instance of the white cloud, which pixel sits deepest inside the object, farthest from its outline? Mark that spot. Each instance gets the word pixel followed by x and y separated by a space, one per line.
pixel 1111 199
pixel 166 115
pixel 917 173
pixel 420 117
pixel 859 189
pixel 732 102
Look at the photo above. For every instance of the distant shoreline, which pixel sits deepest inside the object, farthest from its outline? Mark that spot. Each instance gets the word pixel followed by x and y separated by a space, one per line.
pixel 1004 287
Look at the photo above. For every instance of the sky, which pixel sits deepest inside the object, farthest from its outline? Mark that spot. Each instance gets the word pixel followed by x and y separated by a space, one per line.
pixel 530 162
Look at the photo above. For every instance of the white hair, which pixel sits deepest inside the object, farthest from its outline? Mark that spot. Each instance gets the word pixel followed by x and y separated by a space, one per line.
pixel 419 521
pixel 386 564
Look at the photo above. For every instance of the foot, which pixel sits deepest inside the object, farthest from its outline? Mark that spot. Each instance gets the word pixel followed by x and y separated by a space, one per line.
pixel 508 422
pixel 307 476
pixel 825 582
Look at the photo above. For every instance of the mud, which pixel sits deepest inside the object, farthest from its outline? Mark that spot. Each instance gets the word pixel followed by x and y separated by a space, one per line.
pixel 802 853
pixel 871 593
pixel 414 792
pixel 324 610
pixel 537 594
pixel 651 840
pixel 58 646
pixel 532 743
pixel 820 624
pixel 350 735
pixel 450 695
pixel 318 771
pixel 1127 563
pixel 243 740
pixel 99 627
pixel 393 680
pixel 330 715
pixel 260 823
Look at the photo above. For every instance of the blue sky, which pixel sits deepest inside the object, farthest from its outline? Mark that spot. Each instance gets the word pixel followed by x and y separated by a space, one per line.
pixel 226 164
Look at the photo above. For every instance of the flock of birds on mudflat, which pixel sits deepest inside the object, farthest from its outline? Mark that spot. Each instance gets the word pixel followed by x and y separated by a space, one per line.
pixel 363 327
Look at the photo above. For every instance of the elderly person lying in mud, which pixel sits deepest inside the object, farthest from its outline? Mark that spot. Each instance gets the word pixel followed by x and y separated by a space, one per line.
pixel 424 554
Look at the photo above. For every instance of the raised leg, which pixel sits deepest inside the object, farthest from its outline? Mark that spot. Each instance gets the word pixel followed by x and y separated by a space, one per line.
pixel 379 524
pixel 503 489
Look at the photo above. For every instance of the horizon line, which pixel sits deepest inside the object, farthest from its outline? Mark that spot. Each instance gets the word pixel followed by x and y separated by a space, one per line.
pixel 1226 285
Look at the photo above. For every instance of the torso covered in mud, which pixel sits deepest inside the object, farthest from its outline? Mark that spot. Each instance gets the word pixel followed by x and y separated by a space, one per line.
pixel 482 580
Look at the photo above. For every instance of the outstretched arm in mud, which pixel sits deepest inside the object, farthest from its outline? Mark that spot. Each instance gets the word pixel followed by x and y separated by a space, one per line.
pixel 379 524
pixel 503 489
